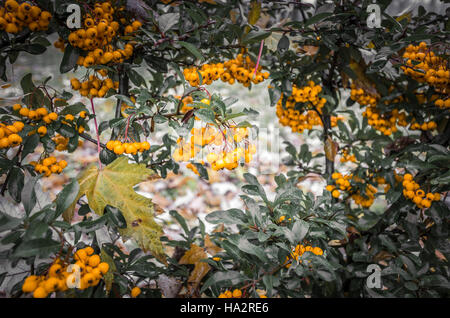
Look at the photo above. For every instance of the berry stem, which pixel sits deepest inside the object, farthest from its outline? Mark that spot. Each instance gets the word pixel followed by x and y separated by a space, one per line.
pixel 206 91
pixel 259 57
pixel 96 131
pixel 126 128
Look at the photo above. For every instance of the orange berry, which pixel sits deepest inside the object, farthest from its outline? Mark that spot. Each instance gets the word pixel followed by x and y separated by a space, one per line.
pixel 62 164
pixel 119 149
pixel 94 260
pixel 136 291
pixel 237 293
pixel 103 267
pixel 40 292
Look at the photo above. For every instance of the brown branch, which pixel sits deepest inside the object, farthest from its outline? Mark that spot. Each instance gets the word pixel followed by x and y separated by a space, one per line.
pixel 89 138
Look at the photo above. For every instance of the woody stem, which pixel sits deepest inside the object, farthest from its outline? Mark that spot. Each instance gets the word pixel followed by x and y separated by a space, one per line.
pixel 96 131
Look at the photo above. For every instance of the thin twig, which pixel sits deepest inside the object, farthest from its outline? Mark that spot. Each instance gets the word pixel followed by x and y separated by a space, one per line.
pixel 96 131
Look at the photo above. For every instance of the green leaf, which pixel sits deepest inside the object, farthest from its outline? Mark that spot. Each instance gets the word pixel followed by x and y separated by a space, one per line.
pixel 67 131
pixel 29 195
pixel 15 183
pixel 298 232
pixel 249 248
pixel 252 180
pixel 41 247
pixel 125 99
pixel 27 83
pixel 69 60
pixel 223 279
pixel 317 18
pixel 231 216
pixel 30 145
pixel 8 222
pixel 180 220
pixel 167 21
pixel 66 197
pixel 192 49
pixel 205 114
pixel 268 282
pixel 136 78
pixel 32 48
pixel 255 36
pixel 36 230
pixel 73 109
pixel 326 276
pixel 91 225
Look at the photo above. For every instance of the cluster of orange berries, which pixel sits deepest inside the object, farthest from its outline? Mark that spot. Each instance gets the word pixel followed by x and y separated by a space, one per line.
pixel 230 160
pixel 388 122
pixel 363 97
pixel 240 69
pixel 94 86
pixel 385 123
pixel 342 183
pixel 129 148
pixel 199 138
pixel 299 250
pixel 208 136
pixel 49 165
pixel 14 17
pixel 431 125
pixel 301 119
pixel 58 278
pixel 62 142
pixel 38 114
pixel 441 103
pixel 9 137
pixel 347 157
pixel 100 29
pixel 334 120
pixel 412 191
pixel 60 44
pixel 424 66
pixel 237 293
pixel 69 119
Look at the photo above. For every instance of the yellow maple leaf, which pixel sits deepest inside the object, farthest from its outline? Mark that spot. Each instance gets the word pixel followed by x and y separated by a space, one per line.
pixel 212 248
pixel 114 186
pixel 109 276
pixel 193 257
pixel 331 148
pixel 255 12
pixel 407 16
pixel 362 80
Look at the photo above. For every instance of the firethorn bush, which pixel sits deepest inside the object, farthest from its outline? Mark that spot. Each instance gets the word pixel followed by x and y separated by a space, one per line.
pixel 378 98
